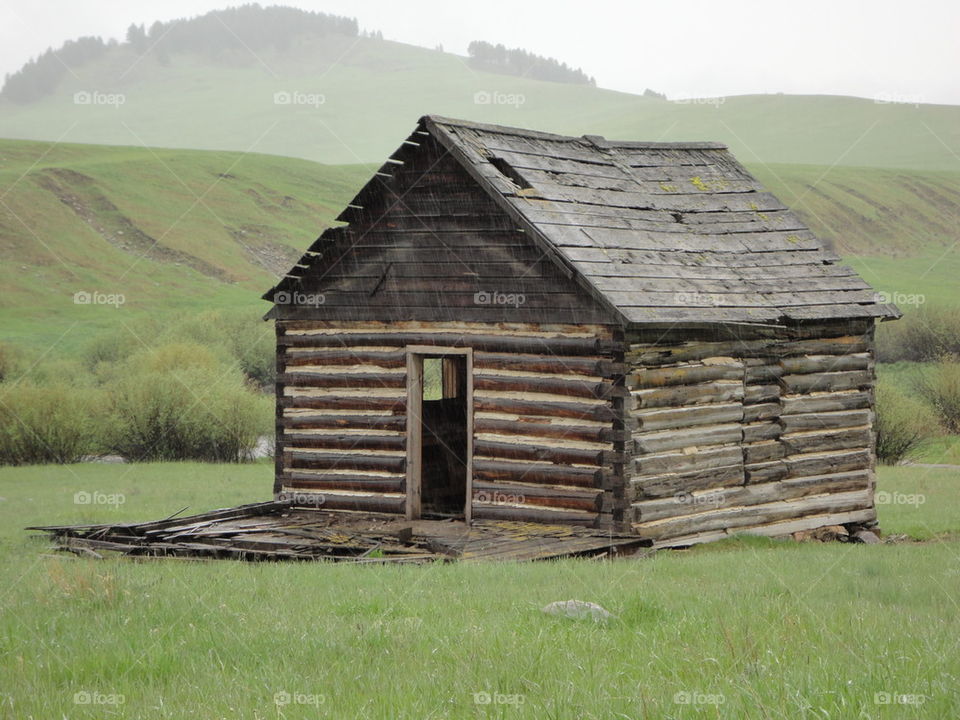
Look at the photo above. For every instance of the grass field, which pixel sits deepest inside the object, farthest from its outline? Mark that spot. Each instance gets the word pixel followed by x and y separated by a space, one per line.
pixel 353 99
pixel 749 628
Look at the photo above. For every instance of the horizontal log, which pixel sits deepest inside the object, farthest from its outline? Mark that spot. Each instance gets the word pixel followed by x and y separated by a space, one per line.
pixel 344 442
pixel 516 494
pixel 803 364
pixel 556 455
pixel 702 435
pixel 353 356
pixel 762 374
pixel 827 381
pixel 826 420
pixel 680 462
pixel 761 394
pixel 827 463
pixel 539 473
pixel 755 432
pixel 342 481
pixel 489 343
pixel 580 411
pixel 683 375
pixel 344 402
pixel 846 345
pixel 343 461
pixel 481 511
pixel 761 452
pixel 826 402
pixel 761 411
pixel 530 427
pixel 680 395
pixel 550 385
pixel 764 472
pixel 359 422
pixel 688 416
pixel 667 484
pixel 826 440
pixel 548 364
pixel 343 380
pixel 365 503
pixel 657 354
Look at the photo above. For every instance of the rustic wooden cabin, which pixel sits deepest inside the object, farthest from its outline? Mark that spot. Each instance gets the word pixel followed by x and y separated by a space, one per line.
pixel 628 335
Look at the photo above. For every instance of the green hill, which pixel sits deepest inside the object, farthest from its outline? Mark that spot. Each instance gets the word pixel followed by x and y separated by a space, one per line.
pixel 342 99
pixel 184 230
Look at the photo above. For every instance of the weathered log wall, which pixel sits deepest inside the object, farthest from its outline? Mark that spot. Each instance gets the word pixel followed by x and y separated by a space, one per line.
pixel 767 434
pixel 545 401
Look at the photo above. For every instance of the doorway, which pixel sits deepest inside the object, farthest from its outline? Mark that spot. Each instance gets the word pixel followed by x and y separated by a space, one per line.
pixel 439 432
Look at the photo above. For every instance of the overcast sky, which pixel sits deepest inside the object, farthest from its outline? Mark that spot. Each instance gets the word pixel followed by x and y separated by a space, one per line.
pixel 869 48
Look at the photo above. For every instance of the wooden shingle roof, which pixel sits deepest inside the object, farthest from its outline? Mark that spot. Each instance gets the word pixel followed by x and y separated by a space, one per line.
pixel 660 233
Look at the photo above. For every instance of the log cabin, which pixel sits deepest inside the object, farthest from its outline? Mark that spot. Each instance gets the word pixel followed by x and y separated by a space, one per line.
pixel 516 325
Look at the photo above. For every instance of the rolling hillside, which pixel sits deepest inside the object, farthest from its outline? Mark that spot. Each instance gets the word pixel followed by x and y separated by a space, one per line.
pixel 182 230
pixel 341 99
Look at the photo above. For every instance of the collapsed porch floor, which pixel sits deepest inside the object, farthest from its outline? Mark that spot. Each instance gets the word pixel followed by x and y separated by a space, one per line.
pixel 281 531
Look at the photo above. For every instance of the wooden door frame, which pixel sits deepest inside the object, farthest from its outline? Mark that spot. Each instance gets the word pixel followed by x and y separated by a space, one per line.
pixel 415 357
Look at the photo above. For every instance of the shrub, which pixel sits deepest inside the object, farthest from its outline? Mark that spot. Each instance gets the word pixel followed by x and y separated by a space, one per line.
pixel 242 336
pixel 902 423
pixel 49 424
pixel 10 361
pixel 941 388
pixel 176 403
pixel 927 334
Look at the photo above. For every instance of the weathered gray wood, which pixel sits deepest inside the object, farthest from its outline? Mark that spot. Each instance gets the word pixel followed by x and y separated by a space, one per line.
pixel 684 375
pixel 679 395
pixel 688 416
pixel 826 420
pixel 763 411
pixel 827 402
pixel 827 463
pixel 825 363
pixel 824 440
pixel 702 435
pixel 827 381
pixel 667 484
pixel 755 432
pixel 705 458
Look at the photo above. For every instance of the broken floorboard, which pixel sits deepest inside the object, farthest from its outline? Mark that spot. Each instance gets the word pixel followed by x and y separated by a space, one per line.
pixel 281 531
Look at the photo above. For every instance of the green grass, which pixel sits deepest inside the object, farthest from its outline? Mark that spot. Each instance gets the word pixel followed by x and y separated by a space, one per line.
pixel 373 92
pixel 774 629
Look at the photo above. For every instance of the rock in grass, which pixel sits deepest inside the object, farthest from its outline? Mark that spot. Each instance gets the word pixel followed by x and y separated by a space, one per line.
pixel 866 537
pixel 578 610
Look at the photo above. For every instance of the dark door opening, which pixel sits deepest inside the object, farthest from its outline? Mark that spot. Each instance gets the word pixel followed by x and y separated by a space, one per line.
pixel 439 437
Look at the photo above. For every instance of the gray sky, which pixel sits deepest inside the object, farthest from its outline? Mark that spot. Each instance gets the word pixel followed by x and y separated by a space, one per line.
pixel 877 48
